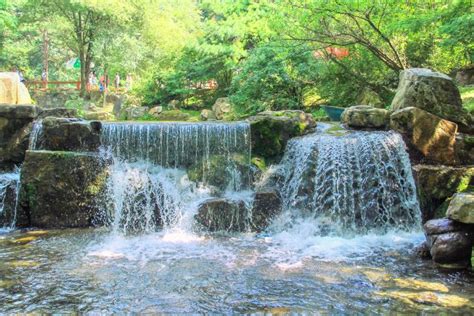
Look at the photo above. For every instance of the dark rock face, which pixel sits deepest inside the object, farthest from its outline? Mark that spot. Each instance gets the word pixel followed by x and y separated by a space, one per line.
pixel 429 134
pixel 271 130
pixel 70 134
pixel 435 184
pixel 15 127
pixel 58 112
pixel 433 92
pixel 365 116
pixel 220 214
pixel 465 76
pixel 61 189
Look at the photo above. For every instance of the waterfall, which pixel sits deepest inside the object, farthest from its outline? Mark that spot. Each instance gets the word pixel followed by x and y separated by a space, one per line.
pixel 9 190
pixel 35 135
pixel 352 183
pixel 150 182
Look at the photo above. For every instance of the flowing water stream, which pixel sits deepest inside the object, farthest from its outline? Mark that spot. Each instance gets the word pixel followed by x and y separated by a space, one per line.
pixel 342 244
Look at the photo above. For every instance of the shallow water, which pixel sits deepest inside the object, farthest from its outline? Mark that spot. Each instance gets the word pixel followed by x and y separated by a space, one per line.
pixel 176 272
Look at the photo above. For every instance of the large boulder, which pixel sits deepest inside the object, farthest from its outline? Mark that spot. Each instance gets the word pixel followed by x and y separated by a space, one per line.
pixel 436 183
pixel 433 92
pixel 429 134
pixel 61 189
pixel 15 127
pixel 450 242
pixel 70 134
pixel 12 91
pixel 221 107
pixel 461 208
pixel 271 130
pixel 365 116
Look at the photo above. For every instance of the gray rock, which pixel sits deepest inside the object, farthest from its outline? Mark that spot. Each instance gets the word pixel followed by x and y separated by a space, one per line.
pixel 365 116
pixel 461 208
pixel 136 112
pixel 433 92
pixel 464 149
pixel 221 107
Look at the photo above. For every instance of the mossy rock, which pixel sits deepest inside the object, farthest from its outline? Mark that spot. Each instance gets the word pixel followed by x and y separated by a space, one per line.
pixel 271 131
pixel 437 183
pixel 61 189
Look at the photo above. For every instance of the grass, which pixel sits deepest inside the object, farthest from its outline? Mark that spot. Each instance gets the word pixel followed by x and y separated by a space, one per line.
pixel 467 96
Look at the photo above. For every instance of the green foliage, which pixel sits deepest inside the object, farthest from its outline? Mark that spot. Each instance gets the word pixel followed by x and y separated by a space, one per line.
pixel 264 55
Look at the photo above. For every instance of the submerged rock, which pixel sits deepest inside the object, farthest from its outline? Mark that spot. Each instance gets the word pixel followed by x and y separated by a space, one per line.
pixel 70 134
pixel 461 208
pixel 271 130
pixel 433 92
pixel 15 127
pixel 61 189
pixel 437 183
pixel 429 134
pixel 365 116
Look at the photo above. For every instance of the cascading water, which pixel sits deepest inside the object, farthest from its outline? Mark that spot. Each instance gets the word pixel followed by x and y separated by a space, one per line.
pixel 35 135
pixel 149 185
pixel 9 189
pixel 352 183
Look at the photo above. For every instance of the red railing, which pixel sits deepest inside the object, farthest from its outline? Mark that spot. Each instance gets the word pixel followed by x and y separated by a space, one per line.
pixel 44 85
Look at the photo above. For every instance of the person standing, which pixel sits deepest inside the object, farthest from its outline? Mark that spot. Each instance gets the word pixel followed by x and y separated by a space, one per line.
pixel 44 78
pixel 117 82
pixel 128 82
